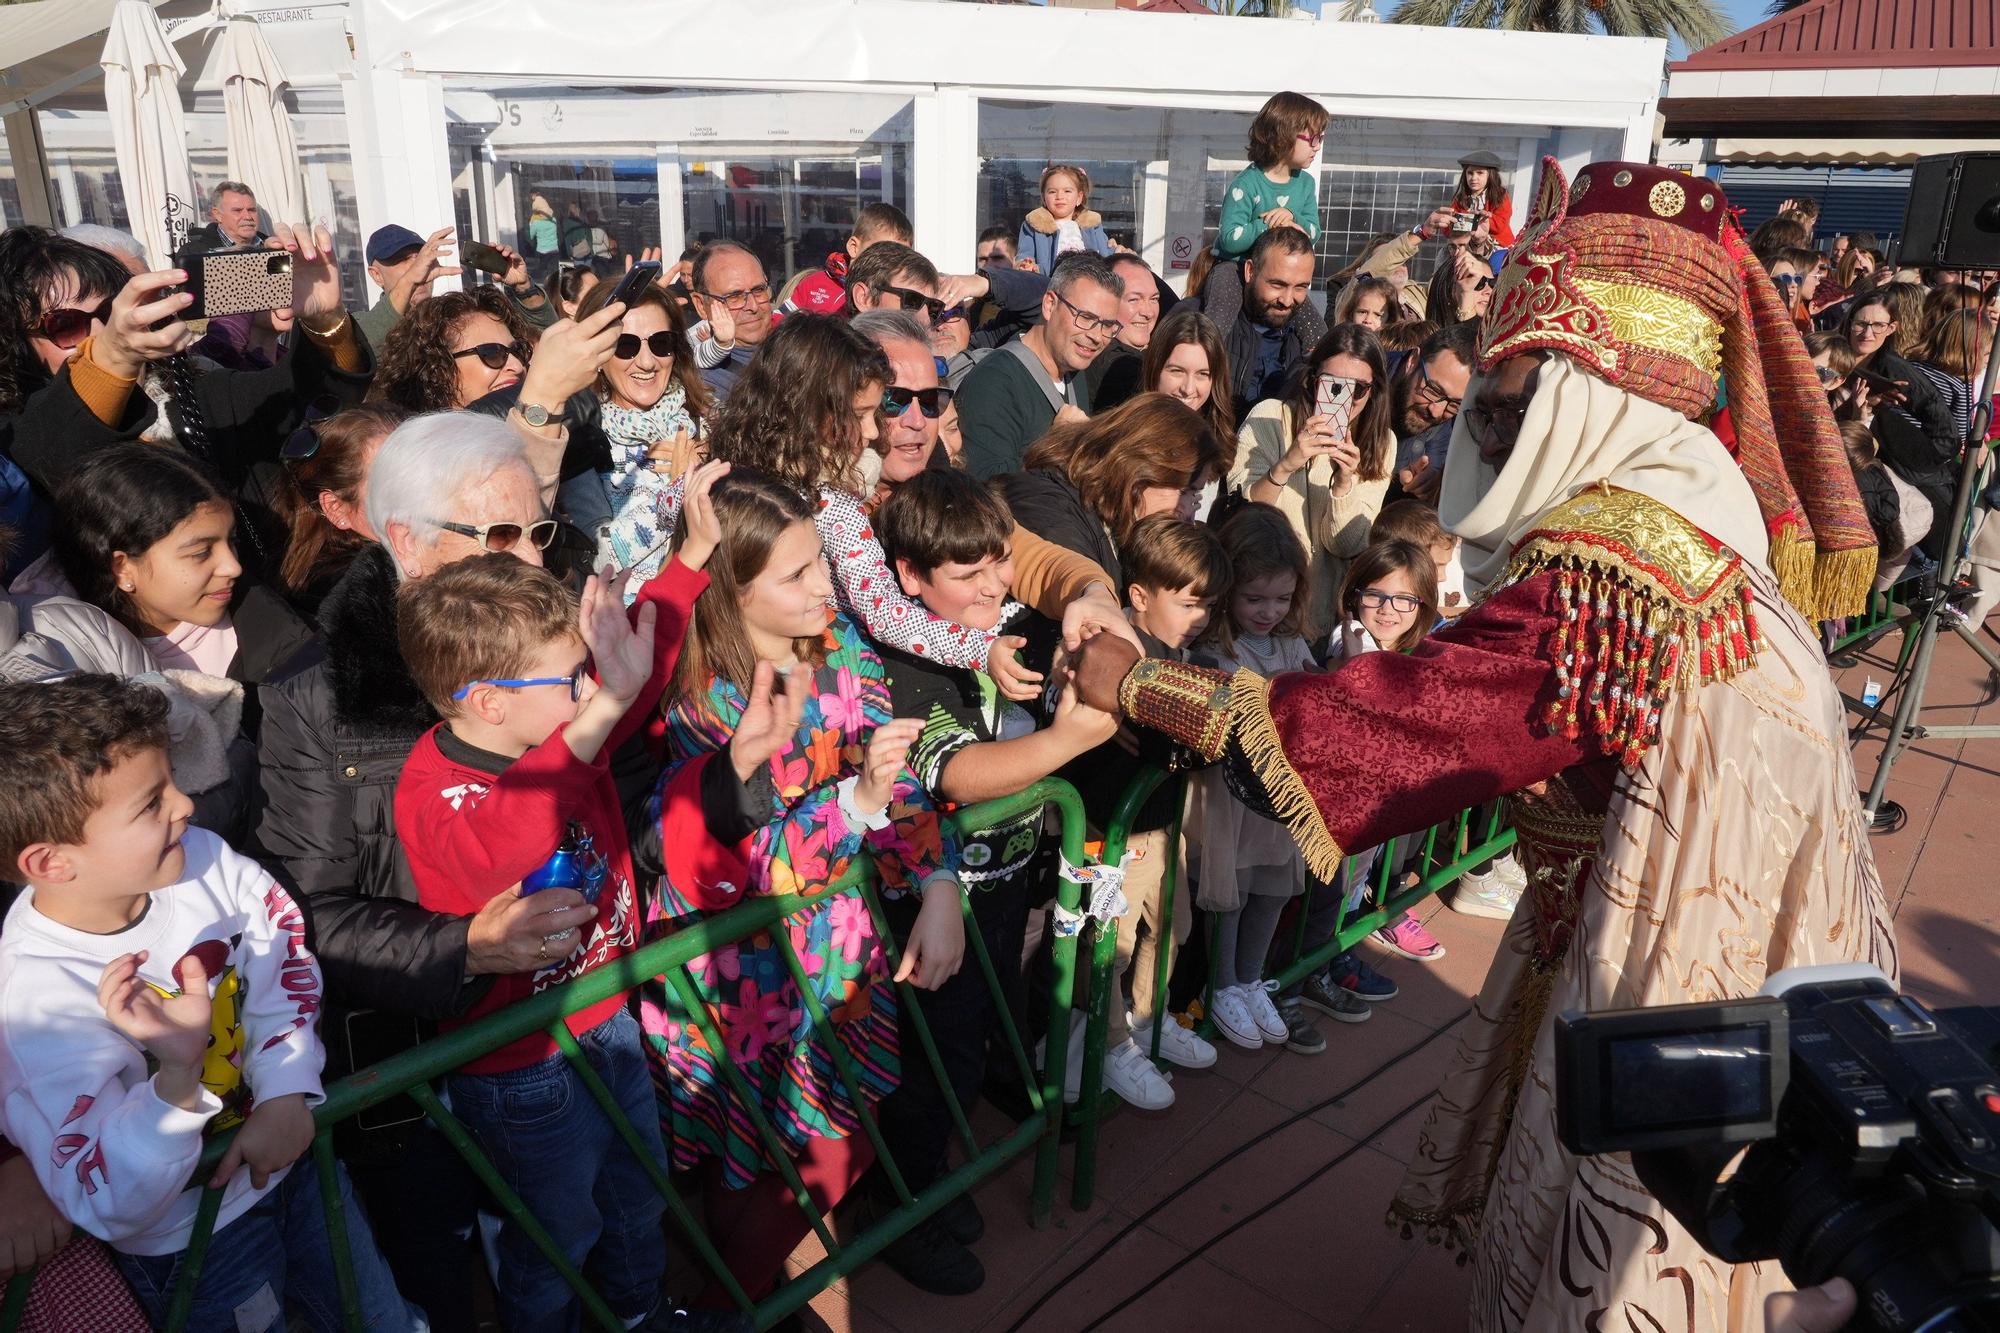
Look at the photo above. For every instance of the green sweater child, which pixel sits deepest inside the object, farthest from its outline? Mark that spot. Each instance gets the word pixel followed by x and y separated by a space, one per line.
pixel 1274 191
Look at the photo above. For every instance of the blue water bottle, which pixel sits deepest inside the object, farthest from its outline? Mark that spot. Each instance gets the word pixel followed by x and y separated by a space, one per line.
pixel 576 864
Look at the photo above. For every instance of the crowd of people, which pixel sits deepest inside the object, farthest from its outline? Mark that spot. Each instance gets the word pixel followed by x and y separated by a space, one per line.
pixel 363 672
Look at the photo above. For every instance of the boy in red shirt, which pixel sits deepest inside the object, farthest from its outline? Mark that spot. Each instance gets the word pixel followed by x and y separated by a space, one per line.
pixel 519 769
pixel 823 291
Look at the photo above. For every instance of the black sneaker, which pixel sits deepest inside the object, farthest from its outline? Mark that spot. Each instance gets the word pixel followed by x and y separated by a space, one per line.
pixel 961 1220
pixel 1301 1036
pixel 931 1261
pixel 673 1319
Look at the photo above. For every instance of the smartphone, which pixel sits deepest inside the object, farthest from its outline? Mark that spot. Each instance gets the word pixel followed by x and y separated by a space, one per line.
pixel 642 276
pixel 484 257
pixel 237 282
pixel 1329 398
pixel 1879 383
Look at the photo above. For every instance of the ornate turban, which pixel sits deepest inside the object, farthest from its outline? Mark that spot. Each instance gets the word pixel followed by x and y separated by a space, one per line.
pixel 1641 276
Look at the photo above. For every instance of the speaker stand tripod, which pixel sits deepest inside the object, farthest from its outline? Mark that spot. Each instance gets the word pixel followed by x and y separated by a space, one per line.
pixel 1940 614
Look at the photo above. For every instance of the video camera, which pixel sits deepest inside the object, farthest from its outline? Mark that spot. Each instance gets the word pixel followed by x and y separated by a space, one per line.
pixel 1872 1124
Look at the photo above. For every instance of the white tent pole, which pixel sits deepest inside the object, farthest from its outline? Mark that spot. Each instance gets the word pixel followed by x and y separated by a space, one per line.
pixel 944 171
pixel 402 169
pixel 31 168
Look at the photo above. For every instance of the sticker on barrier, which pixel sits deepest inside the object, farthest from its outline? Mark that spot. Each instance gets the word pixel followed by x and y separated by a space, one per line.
pixel 1106 885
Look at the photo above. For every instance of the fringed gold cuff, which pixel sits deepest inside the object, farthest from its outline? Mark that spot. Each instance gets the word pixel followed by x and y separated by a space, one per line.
pixel 1188 703
pixel 1257 735
pixel 1842 580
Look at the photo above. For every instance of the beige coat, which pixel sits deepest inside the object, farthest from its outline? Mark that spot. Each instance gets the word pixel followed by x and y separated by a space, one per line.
pixel 1333 527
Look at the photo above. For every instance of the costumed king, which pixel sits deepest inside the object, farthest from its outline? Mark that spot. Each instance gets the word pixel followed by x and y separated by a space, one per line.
pixel 1655 508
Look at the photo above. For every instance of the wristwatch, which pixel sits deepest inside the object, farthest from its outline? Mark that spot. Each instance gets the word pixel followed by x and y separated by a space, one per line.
pixel 537 415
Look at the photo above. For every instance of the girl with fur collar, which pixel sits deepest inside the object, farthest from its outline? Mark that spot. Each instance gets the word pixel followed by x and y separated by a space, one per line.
pixel 1064 223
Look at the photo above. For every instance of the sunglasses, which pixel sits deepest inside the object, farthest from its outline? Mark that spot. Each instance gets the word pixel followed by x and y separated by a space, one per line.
pixel 1314 139
pixel 1375 599
pixel 494 355
pixel 1483 283
pixel 915 301
pixel 660 344
pixel 304 442
pixel 66 327
pixel 947 315
pixel 896 400
pixel 574 680
pixel 503 536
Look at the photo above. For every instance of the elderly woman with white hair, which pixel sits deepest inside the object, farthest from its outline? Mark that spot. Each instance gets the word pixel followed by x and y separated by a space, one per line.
pixel 337 728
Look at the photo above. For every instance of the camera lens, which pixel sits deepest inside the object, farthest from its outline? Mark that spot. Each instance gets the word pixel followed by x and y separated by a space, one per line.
pixel 279 263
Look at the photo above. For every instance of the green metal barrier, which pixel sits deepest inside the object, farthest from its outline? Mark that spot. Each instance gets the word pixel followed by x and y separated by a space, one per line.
pixel 413 1072
pixel 1448 850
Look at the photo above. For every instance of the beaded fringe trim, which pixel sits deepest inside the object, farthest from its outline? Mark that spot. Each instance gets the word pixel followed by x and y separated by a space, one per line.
pixel 1257 734
pixel 1625 643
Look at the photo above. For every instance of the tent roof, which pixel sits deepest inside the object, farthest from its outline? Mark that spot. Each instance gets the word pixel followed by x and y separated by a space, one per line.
pixel 1873 34
pixel 48 41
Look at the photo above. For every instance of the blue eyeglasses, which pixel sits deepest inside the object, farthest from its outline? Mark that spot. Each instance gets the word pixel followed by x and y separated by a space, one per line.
pixel 574 680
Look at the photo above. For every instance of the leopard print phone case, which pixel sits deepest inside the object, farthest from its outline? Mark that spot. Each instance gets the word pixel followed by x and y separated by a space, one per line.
pixel 235 282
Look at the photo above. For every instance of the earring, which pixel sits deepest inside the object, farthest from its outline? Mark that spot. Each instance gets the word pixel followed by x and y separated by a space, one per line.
pixel 124 587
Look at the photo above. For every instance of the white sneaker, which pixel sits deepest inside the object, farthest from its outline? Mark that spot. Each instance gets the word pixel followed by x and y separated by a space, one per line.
pixel 1486 895
pixel 1178 1046
pixel 1234 1019
pixel 1073 1071
pixel 1132 1076
pixel 1510 872
pixel 1264 1009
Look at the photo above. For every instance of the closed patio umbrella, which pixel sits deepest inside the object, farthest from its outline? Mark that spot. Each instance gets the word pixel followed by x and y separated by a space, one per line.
pixel 263 151
pixel 142 93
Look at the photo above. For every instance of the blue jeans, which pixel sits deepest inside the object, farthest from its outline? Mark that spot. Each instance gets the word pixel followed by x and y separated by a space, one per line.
pixel 559 1152
pixel 275 1255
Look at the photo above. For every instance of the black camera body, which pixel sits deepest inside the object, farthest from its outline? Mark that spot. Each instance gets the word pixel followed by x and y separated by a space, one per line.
pixel 1872 1125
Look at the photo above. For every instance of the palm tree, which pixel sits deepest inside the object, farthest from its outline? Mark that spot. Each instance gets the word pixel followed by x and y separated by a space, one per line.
pixel 1696 23
pixel 1783 7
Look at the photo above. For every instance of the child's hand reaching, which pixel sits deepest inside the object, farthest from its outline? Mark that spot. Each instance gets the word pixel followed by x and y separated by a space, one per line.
pixel 769 720
pixel 936 946
pixel 1083 727
pixel 622 649
pixel 173 1028
pixel 1009 672
pixel 277 1134
pixel 883 761
pixel 701 529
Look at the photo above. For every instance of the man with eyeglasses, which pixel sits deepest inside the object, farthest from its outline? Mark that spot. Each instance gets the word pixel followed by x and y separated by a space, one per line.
pixel 1425 393
pixel 1012 396
pixel 1114 376
pixel 727 274
pixel 912 402
pixel 892 276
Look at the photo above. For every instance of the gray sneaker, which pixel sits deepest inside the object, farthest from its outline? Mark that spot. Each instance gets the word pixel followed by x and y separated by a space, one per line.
pixel 1335 1001
pixel 1301 1036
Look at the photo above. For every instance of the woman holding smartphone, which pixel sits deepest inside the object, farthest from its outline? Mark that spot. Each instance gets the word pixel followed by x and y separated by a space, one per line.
pixel 1323 456
pixel 1911 421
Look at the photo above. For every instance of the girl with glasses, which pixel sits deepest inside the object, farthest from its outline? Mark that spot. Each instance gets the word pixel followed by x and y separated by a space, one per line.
pixel 1911 420
pixel 1274 191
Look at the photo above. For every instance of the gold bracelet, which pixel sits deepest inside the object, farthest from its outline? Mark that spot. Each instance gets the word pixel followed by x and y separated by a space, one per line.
pixel 339 324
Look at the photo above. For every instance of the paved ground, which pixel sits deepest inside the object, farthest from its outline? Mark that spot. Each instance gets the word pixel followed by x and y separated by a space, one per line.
pixel 1287 1233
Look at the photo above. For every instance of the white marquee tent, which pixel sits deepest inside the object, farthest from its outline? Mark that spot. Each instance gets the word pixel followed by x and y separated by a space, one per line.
pixel 773 120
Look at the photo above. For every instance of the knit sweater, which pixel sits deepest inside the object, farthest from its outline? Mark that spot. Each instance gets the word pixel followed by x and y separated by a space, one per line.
pixel 1253 194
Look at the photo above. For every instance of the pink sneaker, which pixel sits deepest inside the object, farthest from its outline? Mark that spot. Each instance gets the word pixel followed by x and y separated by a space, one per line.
pixel 1409 938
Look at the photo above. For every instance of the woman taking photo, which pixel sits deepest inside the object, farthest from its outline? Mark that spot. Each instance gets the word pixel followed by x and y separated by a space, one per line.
pixel 651 406
pixel 453 350
pixel 1912 421
pixel 1323 456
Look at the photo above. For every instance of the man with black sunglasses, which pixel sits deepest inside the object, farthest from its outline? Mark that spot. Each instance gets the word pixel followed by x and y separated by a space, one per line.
pixel 892 276
pixel 912 402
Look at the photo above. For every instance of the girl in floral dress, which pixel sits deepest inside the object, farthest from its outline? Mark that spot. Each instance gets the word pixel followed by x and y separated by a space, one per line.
pixel 823 782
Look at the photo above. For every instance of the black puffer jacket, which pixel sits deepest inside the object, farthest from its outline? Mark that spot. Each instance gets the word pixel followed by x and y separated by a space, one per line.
pixel 336 730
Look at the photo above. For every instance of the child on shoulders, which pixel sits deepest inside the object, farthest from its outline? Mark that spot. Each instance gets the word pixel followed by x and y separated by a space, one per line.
pixel 1274 190
pixel 823 291
pixel 1064 224
pixel 156 986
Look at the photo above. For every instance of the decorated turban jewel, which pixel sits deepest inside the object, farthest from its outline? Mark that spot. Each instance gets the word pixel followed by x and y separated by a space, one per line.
pixel 1641 276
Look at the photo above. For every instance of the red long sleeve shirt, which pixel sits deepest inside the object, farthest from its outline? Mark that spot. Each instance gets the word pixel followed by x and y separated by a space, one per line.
pixel 473 824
